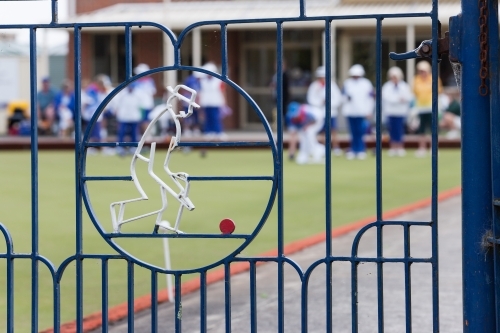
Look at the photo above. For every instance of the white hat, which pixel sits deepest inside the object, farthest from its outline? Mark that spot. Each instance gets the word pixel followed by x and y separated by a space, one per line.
pixel 141 68
pixel 356 70
pixel 210 66
pixel 395 71
pixel 320 71
pixel 424 66
pixel 199 75
pixel 104 79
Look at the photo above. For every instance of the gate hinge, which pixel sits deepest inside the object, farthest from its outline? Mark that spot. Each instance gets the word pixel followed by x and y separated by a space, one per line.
pixel 489 234
pixel 488 240
pixel 455 36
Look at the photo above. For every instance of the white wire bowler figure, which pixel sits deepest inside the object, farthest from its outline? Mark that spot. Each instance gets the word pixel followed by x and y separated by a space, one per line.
pixel 179 178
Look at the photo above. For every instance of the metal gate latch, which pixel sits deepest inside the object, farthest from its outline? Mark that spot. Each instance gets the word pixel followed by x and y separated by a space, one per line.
pixel 424 50
pixel 450 45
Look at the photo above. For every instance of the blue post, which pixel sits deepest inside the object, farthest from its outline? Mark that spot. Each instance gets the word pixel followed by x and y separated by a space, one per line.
pixel 494 48
pixel 477 209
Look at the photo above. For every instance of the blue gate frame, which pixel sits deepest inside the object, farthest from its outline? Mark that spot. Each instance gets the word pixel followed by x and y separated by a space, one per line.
pixel 480 164
pixel 480 264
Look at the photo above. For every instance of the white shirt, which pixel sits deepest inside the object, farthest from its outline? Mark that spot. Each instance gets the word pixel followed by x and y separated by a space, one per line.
pixel 358 97
pixel 146 86
pixel 211 92
pixel 91 101
pixel 316 98
pixel 396 99
pixel 128 105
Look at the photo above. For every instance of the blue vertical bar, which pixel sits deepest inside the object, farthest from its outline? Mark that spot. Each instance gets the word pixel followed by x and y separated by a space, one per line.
pixel 104 294
pixel 10 291
pixel 227 295
pixel 177 52
pixel 253 297
pixel 223 47
pixel 494 50
pixel 34 182
pixel 203 302
pixel 178 304
pixel 130 296
pixel 77 72
pixel 354 295
pixel 378 153
pixel 154 301
pixel 128 52
pixel 328 139
pixel 302 8
pixel 54 11
pixel 78 178
pixel 434 162
pixel 279 134
pixel 56 294
pixel 328 174
pixel 477 266
pixel 303 304
pixel 407 270
pixel 279 88
pixel 79 294
pixel 378 123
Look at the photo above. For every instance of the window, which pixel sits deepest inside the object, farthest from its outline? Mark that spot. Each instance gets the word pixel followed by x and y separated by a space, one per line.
pixel 109 55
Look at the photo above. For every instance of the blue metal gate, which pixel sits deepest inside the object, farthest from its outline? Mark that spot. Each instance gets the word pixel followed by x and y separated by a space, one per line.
pixel 480 282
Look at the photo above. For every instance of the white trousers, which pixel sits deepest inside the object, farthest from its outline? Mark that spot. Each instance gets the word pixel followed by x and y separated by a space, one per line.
pixel 310 150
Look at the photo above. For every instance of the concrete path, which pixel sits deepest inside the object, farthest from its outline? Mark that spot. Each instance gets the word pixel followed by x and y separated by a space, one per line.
pixel 394 295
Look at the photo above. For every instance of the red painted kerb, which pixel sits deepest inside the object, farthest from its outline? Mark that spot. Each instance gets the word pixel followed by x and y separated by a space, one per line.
pixel 118 312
